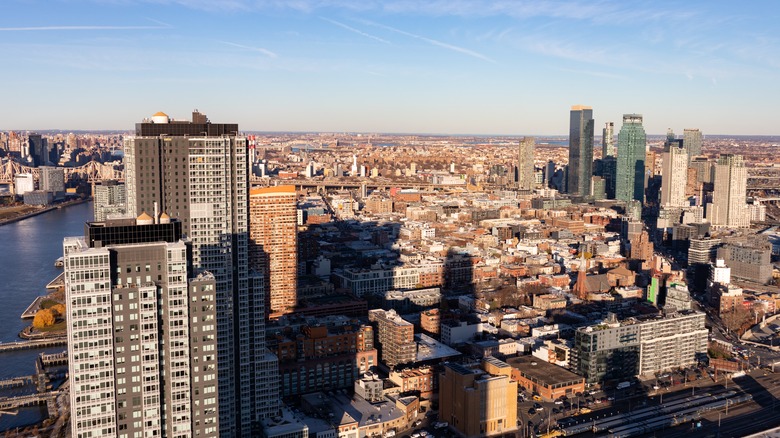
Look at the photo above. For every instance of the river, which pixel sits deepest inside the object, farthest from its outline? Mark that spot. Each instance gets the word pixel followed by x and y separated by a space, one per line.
pixel 28 249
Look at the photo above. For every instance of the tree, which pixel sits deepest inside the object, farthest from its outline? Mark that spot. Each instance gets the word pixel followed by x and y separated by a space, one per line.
pixel 44 318
pixel 59 310
pixel 737 319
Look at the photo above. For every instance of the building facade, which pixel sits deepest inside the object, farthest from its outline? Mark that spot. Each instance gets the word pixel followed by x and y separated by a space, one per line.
pixel 141 333
pixel 729 203
pixel 692 140
pixel 491 389
pixel 630 174
pixel 749 259
pixel 395 336
pixel 109 199
pixel 198 172
pixel 581 126
pixel 674 176
pixel 608 141
pixel 617 350
pixel 525 164
pixel 273 245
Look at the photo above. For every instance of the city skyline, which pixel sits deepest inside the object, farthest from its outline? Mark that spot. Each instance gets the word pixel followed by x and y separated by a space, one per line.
pixel 484 67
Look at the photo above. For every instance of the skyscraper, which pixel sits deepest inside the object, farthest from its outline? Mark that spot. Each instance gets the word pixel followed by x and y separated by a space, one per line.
pixel 692 139
pixel 580 150
pixel 728 207
pixel 198 172
pixel 39 149
pixel 141 332
pixel 630 178
pixel 525 164
pixel 273 245
pixel 674 176
pixel 608 140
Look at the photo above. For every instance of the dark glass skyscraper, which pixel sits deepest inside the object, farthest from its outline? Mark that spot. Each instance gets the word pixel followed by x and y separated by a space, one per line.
pixel 632 142
pixel 580 151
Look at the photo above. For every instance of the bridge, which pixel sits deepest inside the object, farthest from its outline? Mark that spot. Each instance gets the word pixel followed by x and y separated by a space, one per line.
pixel 93 171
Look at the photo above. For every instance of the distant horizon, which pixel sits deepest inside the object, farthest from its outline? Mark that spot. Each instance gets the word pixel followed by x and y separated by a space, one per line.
pixel 369 133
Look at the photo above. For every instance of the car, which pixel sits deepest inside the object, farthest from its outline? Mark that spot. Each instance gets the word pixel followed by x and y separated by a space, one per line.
pixel 610 398
pixel 656 387
pixel 531 411
pixel 537 397
pixel 416 435
pixel 417 423
pixel 598 401
pixel 423 433
pixel 537 406
pixel 559 402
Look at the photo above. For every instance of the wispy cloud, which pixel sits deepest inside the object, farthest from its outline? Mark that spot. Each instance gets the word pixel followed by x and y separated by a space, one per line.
pixel 357 31
pixel 262 50
pixel 598 74
pixel 432 41
pixel 51 28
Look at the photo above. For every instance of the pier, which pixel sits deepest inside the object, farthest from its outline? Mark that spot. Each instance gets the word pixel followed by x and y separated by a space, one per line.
pixel 58 282
pixel 32 309
pixel 16 382
pixel 21 401
pixel 32 344
pixel 48 360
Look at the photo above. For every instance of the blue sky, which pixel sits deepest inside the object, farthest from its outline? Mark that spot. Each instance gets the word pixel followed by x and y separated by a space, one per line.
pixel 457 67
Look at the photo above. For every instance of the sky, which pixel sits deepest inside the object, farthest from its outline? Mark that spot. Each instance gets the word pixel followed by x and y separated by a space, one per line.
pixel 491 67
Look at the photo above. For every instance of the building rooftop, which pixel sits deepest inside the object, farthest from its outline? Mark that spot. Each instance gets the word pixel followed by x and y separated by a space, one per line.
pixel 543 372
pixel 430 349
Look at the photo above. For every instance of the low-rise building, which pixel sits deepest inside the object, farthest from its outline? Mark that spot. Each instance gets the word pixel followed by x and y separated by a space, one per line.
pixel 491 388
pixel 548 380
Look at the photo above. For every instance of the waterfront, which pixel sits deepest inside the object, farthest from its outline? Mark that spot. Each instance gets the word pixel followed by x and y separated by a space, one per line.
pixel 26 265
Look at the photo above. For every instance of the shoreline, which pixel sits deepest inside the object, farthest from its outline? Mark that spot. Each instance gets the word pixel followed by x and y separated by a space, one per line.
pixel 43 210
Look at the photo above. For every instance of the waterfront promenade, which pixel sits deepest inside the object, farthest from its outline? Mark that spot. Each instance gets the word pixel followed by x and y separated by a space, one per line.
pixel 10 220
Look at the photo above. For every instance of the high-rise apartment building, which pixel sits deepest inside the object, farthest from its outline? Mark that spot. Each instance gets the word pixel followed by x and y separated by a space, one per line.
pixel 618 350
pixel 608 140
pixel 109 199
pixel 198 172
pixel 580 150
pixel 395 336
pixel 479 402
pixel 692 140
pixel 729 203
pixel 674 176
pixel 273 245
pixel 525 164
pixel 632 142
pixel 141 332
